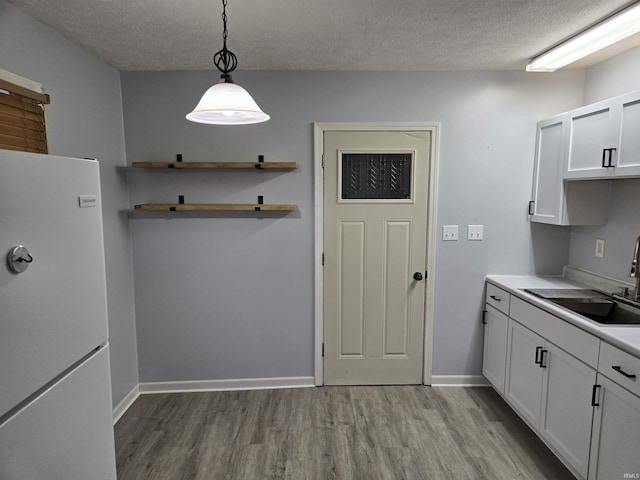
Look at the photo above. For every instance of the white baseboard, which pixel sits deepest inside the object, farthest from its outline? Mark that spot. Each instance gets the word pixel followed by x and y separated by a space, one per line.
pixel 230 384
pixel 126 402
pixel 263 384
pixel 459 381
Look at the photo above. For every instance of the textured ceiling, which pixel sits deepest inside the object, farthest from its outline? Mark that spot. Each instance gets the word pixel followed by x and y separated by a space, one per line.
pixel 321 34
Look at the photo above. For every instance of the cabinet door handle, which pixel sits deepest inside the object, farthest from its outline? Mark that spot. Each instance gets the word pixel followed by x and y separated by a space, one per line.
pixel 611 150
pixel 484 317
pixel 538 360
pixel 606 159
pixel 531 204
pixel 618 369
pixel 594 392
pixel 542 352
pixel 497 299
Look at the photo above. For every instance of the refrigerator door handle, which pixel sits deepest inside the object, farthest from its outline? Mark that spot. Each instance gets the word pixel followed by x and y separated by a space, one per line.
pixel 18 259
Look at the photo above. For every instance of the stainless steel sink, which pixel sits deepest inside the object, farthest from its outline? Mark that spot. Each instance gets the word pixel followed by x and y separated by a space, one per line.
pixel 597 306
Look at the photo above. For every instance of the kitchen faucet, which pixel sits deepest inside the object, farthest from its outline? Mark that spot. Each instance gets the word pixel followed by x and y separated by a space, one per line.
pixel 634 273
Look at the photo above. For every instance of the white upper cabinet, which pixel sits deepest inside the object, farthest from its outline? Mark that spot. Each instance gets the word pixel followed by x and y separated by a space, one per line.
pixel 603 139
pixel 553 200
pixel 629 145
pixel 547 202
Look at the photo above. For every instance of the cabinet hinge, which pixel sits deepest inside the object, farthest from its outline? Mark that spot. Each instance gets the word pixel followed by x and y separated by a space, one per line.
pixel 531 204
pixel 323 160
pixel 484 317
pixel 323 349
pixel 323 259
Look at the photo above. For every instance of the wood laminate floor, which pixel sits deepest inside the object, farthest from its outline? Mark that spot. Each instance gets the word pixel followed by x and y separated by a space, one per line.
pixel 385 432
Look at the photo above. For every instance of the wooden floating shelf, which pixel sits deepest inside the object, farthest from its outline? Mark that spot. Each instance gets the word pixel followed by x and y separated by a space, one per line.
pixel 213 207
pixel 218 165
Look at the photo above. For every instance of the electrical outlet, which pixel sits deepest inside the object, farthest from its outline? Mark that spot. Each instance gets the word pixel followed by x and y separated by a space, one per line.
pixel 599 248
pixel 475 232
pixel 449 233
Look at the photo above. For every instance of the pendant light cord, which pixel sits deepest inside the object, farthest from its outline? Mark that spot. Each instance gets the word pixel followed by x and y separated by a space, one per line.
pixel 225 33
pixel 225 60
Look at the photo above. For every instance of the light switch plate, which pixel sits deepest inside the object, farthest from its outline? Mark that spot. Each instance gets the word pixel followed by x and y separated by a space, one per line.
pixel 475 232
pixel 449 233
pixel 599 248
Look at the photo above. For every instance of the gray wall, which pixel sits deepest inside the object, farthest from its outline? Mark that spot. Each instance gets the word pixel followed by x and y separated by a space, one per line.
pixel 618 75
pixel 84 119
pixel 232 296
pixel 613 77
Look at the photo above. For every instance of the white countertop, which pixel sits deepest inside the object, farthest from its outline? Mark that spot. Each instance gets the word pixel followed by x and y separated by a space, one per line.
pixel 626 338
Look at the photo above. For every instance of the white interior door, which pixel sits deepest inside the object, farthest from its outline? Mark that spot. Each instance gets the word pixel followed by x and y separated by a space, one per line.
pixel 375 246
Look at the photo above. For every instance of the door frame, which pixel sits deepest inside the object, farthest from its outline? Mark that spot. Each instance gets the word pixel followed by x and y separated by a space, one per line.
pixel 318 198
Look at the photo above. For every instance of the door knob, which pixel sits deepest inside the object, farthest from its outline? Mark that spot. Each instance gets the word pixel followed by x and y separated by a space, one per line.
pixel 417 276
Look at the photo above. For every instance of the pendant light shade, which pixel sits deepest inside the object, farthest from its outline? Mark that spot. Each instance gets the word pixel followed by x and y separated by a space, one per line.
pixel 226 103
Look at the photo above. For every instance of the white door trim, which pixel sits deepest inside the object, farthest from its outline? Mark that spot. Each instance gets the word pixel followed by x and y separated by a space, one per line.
pixel 318 192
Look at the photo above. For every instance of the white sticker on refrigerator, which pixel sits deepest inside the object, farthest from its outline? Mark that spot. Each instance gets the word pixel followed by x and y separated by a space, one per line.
pixel 86 201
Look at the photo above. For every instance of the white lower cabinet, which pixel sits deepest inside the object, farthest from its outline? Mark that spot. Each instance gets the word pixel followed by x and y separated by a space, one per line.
pixel 616 433
pixel 495 347
pixel 523 382
pixel 578 393
pixel 551 390
pixel 566 410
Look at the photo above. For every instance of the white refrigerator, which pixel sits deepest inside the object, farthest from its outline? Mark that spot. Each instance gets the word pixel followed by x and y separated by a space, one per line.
pixel 55 394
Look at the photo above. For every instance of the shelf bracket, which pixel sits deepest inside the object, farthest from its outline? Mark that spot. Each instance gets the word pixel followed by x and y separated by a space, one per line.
pixel 260 202
pixel 260 162
pixel 178 160
pixel 180 201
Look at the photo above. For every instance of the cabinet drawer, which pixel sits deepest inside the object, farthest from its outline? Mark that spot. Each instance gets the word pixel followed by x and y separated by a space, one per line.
pixel 570 338
pixel 498 298
pixel 620 367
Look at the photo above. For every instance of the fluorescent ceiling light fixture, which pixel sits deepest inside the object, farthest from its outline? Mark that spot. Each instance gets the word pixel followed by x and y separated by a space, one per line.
pixel 606 33
pixel 226 103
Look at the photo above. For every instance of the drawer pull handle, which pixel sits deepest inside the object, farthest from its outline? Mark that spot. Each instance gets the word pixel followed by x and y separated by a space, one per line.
pixel 496 298
pixel 618 369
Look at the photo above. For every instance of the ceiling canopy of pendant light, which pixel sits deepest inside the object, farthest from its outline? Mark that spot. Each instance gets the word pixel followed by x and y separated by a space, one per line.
pixel 226 103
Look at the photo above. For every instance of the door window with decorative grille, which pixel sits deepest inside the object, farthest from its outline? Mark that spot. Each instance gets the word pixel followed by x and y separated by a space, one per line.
pixel 374 177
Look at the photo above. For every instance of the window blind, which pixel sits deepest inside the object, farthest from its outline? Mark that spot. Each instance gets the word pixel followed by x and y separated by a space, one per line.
pixel 22 122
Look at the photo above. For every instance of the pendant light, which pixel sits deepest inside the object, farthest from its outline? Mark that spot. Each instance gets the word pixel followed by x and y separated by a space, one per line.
pixel 226 103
